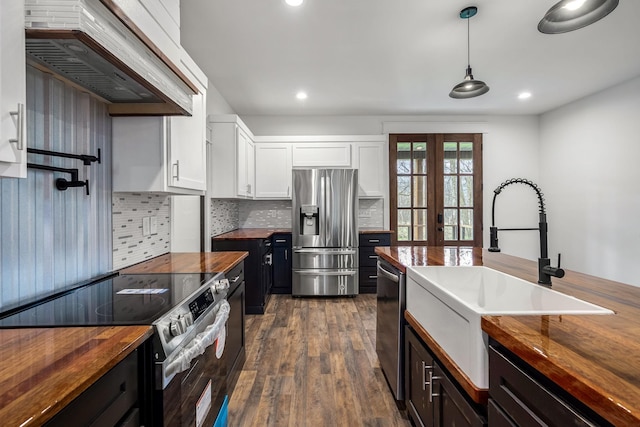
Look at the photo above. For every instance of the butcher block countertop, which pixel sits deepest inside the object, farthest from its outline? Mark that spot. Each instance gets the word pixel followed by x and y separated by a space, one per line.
pixel 596 358
pixel 43 370
pixel 188 262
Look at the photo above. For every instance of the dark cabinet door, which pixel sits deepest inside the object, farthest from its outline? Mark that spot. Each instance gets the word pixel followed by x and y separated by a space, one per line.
pixel 453 409
pixel 256 284
pixel 281 264
pixel 523 397
pixel 418 365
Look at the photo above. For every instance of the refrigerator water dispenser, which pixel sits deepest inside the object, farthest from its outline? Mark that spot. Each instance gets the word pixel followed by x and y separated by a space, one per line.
pixel 309 220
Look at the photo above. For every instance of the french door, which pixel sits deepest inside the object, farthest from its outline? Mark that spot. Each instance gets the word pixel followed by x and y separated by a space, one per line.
pixel 436 189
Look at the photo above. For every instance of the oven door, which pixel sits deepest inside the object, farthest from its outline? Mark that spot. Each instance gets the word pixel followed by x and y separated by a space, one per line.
pixel 197 385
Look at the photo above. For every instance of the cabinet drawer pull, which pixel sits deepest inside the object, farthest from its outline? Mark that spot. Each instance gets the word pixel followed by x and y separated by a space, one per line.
pixel 373 256
pixel 431 380
pixel 425 368
pixel 235 279
pixel 281 240
pixel 373 277
pixel 374 240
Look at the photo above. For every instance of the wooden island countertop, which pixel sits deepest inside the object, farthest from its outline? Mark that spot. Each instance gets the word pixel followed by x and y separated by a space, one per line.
pixel 44 369
pixel 188 262
pixel 595 358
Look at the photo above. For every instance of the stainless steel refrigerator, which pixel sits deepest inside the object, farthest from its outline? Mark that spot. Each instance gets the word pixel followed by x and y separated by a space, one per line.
pixel 325 232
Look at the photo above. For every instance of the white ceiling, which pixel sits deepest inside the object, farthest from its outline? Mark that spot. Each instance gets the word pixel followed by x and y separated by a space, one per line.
pixel 362 57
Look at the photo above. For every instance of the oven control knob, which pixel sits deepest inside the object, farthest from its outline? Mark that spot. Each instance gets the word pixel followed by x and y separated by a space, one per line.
pixel 179 326
pixel 221 285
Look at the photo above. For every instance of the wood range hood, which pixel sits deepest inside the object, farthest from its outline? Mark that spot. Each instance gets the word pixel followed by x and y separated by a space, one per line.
pixel 93 45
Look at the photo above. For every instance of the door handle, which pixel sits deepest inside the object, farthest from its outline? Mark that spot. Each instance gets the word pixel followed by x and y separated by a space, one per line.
pixel 440 218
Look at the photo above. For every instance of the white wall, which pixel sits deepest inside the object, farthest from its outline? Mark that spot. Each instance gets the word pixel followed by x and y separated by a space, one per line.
pixel 510 150
pixel 590 151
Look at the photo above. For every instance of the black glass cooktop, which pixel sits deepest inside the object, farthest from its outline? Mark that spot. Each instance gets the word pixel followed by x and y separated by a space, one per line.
pixel 132 299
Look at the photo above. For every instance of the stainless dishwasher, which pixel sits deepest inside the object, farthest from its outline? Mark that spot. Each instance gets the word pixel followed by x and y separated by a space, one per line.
pixel 390 325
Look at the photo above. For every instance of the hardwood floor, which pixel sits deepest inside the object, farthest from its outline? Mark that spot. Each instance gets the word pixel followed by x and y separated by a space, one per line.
pixel 312 362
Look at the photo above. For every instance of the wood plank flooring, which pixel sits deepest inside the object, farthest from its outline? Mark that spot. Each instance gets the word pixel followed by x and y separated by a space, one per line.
pixel 312 362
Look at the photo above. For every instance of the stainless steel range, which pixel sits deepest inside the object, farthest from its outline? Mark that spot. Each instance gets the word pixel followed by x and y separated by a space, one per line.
pixel 188 313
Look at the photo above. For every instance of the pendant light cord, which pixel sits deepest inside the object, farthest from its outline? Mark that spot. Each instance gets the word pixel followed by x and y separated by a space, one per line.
pixel 468 45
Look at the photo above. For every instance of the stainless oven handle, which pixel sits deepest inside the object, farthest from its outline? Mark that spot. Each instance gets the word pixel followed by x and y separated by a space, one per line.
pixel 200 342
pixel 325 273
pixel 388 274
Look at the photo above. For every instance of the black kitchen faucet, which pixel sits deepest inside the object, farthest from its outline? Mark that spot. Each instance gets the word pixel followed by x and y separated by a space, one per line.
pixel 545 269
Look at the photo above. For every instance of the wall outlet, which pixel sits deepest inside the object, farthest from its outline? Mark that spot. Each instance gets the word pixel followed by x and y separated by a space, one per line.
pixel 153 225
pixel 365 213
pixel 146 229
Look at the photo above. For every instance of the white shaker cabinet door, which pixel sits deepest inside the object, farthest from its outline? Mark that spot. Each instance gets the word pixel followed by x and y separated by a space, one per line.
pixel 187 148
pixel 371 162
pixel 13 129
pixel 273 171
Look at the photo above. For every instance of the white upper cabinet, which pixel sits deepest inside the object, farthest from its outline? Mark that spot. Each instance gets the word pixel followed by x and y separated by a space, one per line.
pixel 163 154
pixel 13 128
pixel 321 154
pixel 231 158
pixel 273 171
pixel 370 160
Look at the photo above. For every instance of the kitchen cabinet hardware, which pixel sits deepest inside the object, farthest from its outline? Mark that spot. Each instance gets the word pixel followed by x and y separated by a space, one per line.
pixel 432 378
pixel 19 114
pixel 374 240
pixel 177 166
pixel 281 240
pixel 373 256
pixel 425 368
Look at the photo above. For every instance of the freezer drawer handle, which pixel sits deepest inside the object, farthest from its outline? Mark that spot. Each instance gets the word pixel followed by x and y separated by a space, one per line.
pixel 326 273
pixel 315 251
pixel 388 274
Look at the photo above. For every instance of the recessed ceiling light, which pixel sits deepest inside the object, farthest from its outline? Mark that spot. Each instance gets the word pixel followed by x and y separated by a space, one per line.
pixel 524 95
pixel 293 3
pixel 301 95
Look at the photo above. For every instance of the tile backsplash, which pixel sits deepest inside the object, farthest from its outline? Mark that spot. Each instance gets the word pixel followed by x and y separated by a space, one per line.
pixel 265 213
pixel 224 216
pixel 129 244
pixel 228 215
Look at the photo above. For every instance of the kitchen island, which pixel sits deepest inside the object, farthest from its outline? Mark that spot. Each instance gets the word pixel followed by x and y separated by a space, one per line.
pixel 596 359
pixel 45 369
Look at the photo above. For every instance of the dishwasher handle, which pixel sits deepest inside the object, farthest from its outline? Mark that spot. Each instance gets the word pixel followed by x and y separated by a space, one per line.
pixel 388 274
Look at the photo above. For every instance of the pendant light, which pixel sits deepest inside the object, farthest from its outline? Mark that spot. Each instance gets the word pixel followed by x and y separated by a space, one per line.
pixel 469 87
pixel 569 15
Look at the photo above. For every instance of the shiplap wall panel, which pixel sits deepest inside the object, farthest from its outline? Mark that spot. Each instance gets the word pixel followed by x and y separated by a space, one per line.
pixel 50 238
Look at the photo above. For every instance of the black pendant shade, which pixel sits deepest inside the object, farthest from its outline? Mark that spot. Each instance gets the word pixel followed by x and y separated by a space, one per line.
pixel 469 87
pixel 569 15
